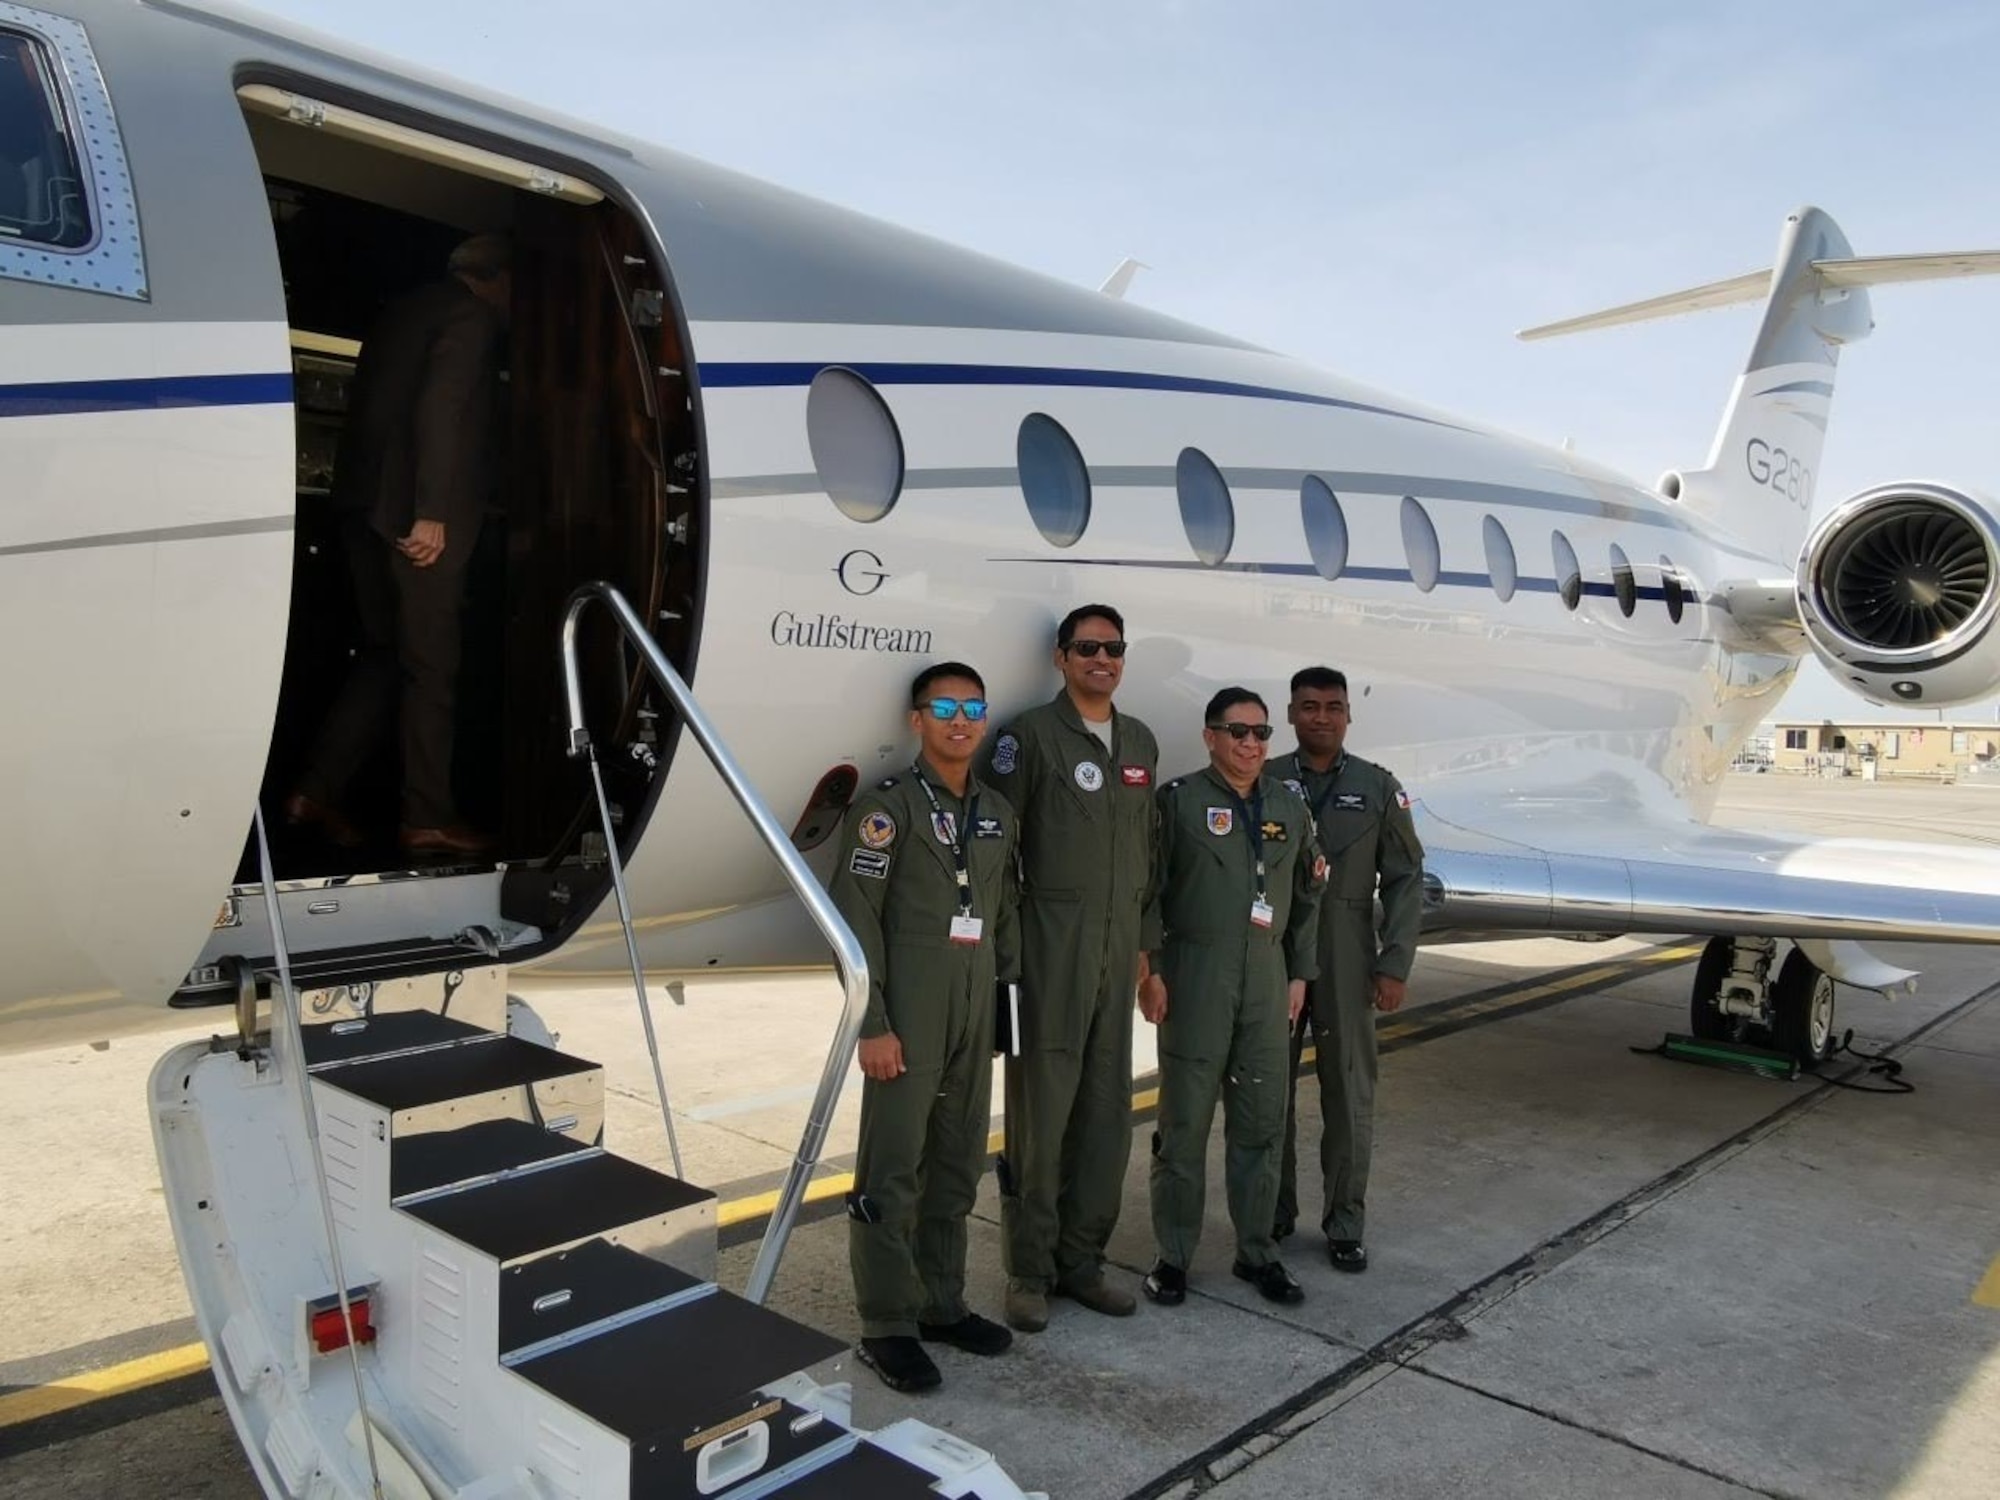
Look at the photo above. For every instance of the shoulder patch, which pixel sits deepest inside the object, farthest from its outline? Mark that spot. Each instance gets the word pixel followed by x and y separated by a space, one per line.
pixel 1006 753
pixel 877 830
pixel 1402 799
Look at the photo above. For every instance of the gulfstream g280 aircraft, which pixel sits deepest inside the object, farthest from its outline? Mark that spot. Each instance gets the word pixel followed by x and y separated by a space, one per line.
pixel 809 452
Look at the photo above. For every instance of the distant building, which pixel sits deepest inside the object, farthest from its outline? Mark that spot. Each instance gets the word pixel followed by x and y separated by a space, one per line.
pixel 1938 752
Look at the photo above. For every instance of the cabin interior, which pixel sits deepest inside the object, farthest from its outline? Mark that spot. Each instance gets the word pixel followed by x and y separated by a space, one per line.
pixel 596 479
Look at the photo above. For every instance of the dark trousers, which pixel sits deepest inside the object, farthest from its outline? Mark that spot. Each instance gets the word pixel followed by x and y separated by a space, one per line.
pixel 1068 1142
pixel 1345 1062
pixel 407 668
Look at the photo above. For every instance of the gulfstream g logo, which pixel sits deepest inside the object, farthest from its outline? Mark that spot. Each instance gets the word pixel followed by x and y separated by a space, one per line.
pixel 838 633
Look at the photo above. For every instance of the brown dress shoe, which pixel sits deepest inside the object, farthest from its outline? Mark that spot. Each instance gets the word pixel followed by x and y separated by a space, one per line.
pixel 452 839
pixel 302 811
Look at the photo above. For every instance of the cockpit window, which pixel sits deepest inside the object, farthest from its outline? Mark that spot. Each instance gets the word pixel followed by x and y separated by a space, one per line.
pixel 42 199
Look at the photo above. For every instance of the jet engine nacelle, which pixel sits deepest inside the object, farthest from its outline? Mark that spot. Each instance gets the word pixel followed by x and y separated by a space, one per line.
pixel 1898 590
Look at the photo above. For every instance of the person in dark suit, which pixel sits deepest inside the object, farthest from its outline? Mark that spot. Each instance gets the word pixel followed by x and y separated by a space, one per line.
pixel 412 478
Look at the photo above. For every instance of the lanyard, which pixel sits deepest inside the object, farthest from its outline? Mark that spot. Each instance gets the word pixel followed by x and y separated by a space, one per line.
pixel 1332 774
pixel 1253 822
pixel 940 822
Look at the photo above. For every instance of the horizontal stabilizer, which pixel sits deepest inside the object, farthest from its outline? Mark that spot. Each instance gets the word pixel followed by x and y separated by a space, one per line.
pixel 1695 299
pixel 1880 270
pixel 1847 271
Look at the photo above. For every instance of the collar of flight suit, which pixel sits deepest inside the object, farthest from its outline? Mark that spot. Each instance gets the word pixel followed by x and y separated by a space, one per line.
pixel 1066 710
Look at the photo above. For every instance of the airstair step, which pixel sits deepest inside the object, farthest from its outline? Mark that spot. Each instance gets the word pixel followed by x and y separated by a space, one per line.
pixel 486 1064
pixel 334 1044
pixel 372 962
pixel 558 1295
pixel 864 1473
pixel 579 1198
pixel 689 1376
pixel 473 1154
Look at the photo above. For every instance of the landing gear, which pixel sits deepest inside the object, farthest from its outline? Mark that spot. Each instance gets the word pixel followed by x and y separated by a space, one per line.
pixel 1735 1000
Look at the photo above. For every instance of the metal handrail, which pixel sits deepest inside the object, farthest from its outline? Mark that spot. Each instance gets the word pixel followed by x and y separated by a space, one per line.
pixel 847 954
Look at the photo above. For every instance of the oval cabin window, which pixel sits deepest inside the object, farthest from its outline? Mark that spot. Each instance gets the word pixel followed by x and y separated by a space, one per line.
pixel 856 447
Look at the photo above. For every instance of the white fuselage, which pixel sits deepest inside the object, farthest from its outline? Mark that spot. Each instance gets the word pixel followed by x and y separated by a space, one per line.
pixel 1443 681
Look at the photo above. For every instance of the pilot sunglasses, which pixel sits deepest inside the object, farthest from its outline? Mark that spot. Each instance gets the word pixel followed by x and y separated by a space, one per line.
pixel 943 708
pixel 1238 731
pixel 1088 649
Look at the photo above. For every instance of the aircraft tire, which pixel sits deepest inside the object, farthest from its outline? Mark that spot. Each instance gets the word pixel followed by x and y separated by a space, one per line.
pixel 1803 1004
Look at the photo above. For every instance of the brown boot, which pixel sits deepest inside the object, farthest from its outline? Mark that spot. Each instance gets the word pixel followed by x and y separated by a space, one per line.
pixel 1027 1308
pixel 1100 1296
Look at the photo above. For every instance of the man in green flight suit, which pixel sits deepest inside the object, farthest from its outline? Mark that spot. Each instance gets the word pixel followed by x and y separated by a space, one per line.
pixel 927 880
pixel 1236 891
pixel 1082 775
pixel 1369 840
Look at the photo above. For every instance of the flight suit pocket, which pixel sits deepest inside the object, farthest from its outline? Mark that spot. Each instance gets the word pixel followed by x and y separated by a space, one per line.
pixel 1350 841
pixel 919 1003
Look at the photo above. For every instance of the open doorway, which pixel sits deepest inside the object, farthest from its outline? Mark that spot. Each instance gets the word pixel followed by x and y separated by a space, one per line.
pixel 593 474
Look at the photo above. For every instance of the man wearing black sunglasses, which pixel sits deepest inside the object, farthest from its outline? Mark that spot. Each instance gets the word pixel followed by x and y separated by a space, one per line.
pixel 927 881
pixel 1082 774
pixel 1234 918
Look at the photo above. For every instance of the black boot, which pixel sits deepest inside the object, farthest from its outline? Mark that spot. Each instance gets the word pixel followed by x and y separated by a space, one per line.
pixel 972 1333
pixel 1273 1280
pixel 902 1363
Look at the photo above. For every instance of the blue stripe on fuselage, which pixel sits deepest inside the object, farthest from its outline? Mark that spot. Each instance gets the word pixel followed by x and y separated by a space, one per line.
pixel 64 398
pixel 730 375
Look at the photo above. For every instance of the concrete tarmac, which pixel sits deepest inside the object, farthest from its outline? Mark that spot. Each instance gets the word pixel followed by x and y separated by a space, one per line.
pixel 1594 1272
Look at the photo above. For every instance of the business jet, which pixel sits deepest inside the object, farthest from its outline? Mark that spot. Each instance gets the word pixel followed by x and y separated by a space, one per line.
pixel 786 455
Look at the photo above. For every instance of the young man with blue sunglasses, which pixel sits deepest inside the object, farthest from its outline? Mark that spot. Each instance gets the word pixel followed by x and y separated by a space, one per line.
pixel 927 881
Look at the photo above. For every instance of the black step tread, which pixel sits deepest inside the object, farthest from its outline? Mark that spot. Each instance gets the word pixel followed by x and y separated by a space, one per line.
pixel 602 1279
pixel 439 1158
pixel 866 1473
pixel 573 1200
pixel 480 1066
pixel 395 959
pixel 336 1043
pixel 671 1375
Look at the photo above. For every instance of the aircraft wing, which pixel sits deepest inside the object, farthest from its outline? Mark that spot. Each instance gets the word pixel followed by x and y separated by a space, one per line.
pixel 1603 858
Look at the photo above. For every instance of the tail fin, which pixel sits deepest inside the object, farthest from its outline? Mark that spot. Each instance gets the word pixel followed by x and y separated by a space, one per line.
pixel 1758 481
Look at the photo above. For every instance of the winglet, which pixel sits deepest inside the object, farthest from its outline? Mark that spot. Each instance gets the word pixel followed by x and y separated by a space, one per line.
pixel 1116 283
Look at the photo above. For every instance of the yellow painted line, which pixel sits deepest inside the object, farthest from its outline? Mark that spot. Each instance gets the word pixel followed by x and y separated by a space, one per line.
pixel 155 1369
pixel 82 1390
pixel 1987 1293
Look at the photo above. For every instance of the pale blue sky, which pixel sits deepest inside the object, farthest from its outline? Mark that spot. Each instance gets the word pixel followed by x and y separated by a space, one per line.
pixel 1387 191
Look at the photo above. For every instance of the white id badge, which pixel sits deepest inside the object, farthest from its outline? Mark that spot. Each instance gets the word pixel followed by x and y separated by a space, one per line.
pixel 966 930
pixel 1260 914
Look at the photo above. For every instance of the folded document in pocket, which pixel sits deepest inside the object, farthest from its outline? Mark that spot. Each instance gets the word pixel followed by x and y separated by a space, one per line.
pixel 1007 1018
